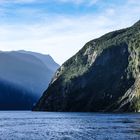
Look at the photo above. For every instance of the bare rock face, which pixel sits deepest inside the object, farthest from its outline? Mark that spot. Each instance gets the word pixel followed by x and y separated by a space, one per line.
pixel 103 76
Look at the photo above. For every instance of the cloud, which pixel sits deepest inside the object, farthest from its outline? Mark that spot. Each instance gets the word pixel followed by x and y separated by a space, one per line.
pixel 62 38
pixel 78 2
pixel 17 1
pixel 133 1
pixel 63 35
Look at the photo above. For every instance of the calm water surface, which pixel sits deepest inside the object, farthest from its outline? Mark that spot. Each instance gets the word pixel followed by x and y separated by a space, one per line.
pixel 68 126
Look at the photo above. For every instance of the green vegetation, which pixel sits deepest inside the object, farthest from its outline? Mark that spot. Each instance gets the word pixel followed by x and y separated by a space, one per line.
pixel 100 77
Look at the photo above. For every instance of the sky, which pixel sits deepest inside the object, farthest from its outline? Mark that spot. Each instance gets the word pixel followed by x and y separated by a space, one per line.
pixel 61 27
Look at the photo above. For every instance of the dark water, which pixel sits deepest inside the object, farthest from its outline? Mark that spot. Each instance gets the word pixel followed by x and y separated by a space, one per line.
pixel 68 126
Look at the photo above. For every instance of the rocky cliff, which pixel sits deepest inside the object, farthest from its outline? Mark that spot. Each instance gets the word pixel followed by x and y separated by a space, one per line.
pixel 103 76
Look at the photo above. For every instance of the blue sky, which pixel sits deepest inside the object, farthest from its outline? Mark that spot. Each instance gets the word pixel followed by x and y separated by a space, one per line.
pixel 61 27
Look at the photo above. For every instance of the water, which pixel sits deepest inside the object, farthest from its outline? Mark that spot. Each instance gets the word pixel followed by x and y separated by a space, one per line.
pixel 68 126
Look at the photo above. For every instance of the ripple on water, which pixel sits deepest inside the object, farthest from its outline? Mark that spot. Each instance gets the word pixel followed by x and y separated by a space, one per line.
pixel 69 126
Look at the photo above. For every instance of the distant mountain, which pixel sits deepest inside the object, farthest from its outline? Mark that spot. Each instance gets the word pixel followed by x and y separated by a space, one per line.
pixel 103 76
pixel 15 97
pixel 22 75
pixel 46 59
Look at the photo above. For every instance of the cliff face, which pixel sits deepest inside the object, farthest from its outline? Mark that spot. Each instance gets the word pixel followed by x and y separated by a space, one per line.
pixel 103 76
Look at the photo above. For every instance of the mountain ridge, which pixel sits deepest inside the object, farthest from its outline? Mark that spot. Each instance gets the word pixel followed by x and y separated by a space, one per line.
pixel 26 76
pixel 46 59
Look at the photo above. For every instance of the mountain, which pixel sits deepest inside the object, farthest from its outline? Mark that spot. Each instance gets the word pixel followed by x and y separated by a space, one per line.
pixel 23 78
pixel 15 97
pixel 103 76
pixel 46 59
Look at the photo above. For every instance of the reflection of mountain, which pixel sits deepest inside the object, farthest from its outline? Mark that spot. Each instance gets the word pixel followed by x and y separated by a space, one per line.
pixel 103 76
pixel 23 77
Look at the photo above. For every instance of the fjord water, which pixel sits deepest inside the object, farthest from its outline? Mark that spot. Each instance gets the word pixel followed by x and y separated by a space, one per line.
pixel 16 125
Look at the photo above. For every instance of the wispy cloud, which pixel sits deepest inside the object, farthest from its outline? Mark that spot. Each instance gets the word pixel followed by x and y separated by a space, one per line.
pixel 65 1
pixel 133 1
pixel 62 35
pixel 87 2
pixel 17 1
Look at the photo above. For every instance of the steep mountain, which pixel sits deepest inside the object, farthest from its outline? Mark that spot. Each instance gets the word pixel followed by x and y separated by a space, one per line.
pixel 103 76
pixel 23 75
